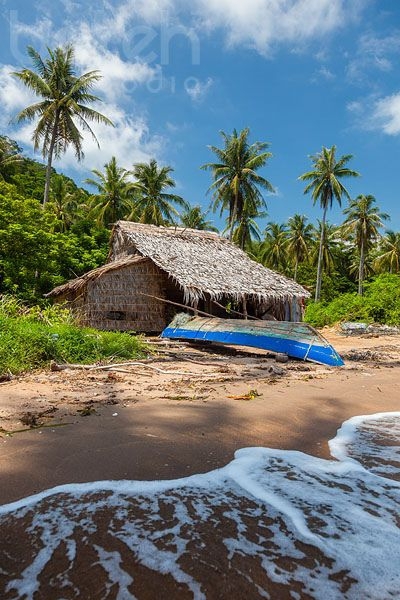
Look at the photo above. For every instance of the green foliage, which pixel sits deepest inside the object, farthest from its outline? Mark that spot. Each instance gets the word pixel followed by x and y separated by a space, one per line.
pixel 380 304
pixel 34 258
pixel 30 338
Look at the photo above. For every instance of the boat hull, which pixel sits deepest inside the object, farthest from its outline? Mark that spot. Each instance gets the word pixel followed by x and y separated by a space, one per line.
pixel 297 340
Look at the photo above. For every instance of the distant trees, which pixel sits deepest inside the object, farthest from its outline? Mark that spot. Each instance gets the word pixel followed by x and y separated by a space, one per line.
pixel 114 198
pixel 195 218
pixel 363 220
pixel 236 185
pixel 325 186
pixel 154 204
pixel 65 105
pixel 41 248
pixel 9 155
pixel 388 256
pixel 299 240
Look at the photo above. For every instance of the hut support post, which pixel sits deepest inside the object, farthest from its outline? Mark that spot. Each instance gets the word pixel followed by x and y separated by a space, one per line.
pixel 195 305
pixel 244 309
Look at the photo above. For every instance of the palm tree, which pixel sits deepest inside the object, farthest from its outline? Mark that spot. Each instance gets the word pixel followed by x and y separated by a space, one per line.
pixel 330 236
pixel 236 181
pixel 63 201
pixel 326 187
pixel 361 225
pixel 274 252
pixel 300 238
pixel 9 154
pixel 115 193
pixel 194 218
pixel 64 105
pixel 153 204
pixel 389 253
pixel 247 229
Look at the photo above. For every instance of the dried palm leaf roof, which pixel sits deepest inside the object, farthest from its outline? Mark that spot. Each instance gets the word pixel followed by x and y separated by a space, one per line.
pixel 75 285
pixel 202 262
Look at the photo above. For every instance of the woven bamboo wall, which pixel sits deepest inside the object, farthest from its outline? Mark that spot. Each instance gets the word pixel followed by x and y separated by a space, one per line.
pixel 114 301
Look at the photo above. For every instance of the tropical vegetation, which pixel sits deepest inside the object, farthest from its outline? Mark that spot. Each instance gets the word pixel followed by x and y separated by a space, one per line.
pixel 43 246
pixel 236 182
pixel 326 186
pixel 31 337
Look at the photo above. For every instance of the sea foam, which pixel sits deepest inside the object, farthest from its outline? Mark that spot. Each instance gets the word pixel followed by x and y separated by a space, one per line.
pixel 270 524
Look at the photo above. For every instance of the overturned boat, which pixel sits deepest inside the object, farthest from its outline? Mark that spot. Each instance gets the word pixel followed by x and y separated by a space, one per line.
pixel 297 340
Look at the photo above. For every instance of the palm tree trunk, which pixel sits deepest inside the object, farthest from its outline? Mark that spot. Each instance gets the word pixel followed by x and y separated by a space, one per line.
pixel 361 269
pixel 296 265
pixel 50 160
pixel 320 253
pixel 233 216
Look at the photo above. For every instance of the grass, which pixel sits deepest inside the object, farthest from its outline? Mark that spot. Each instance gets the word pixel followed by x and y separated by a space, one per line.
pixel 31 337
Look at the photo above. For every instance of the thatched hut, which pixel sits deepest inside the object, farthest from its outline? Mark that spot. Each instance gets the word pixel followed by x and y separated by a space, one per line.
pixel 148 264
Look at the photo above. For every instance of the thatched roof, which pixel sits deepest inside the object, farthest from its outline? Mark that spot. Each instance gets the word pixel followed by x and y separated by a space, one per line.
pixel 74 286
pixel 202 262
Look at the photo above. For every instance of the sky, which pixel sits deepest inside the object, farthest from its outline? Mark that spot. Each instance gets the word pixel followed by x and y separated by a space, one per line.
pixel 301 74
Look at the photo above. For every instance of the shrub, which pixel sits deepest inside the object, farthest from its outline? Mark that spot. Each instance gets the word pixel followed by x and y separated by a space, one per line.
pixel 380 304
pixel 30 338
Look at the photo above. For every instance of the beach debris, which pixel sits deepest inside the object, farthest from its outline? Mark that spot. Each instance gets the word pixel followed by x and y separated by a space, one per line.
pixel 116 367
pixel 251 394
pixel 374 329
pixel 30 419
pixel 281 358
pixel 87 411
pixel 354 328
pixel 363 355
pixel 4 377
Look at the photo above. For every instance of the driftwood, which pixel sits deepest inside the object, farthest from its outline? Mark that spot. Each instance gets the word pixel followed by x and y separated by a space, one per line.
pixel 55 367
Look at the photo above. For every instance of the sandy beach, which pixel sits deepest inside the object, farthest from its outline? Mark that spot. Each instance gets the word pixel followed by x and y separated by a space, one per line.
pixel 184 412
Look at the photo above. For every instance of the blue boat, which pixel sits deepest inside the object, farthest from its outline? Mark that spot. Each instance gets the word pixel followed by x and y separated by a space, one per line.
pixel 297 340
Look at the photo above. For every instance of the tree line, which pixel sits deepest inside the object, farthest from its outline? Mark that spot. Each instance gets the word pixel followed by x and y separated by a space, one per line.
pixel 50 214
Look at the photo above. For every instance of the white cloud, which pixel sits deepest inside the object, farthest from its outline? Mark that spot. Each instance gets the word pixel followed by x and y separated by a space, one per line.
pixel 14 96
pixel 373 113
pixel 262 25
pixel 196 89
pixel 373 54
pixel 386 114
pixel 119 77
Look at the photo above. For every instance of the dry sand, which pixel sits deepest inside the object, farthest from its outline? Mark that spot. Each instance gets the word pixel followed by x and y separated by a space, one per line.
pixel 138 423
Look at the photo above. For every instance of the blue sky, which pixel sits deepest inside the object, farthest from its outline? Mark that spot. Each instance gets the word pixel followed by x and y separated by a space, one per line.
pixel 301 74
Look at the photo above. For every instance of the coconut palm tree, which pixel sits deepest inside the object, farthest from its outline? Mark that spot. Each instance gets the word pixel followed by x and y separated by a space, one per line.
pixel 247 230
pixel 64 105
pixel 153 205
pixel 330 236
pixel 389 253
pixel 9 154
pixel 114 199
pixel 236 181
pixel 326 186
pixel 361 225
pixel 300 237
pixel 194 218
pixel 63 202
pixel 274 251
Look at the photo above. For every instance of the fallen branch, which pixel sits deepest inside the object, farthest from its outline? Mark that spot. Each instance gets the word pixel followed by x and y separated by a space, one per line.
pixel 56 367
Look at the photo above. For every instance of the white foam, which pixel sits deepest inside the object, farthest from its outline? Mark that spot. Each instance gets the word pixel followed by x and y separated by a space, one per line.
pixel 266 506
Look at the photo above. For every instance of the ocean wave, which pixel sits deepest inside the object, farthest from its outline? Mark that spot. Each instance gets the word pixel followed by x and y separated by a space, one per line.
pixel 270 524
